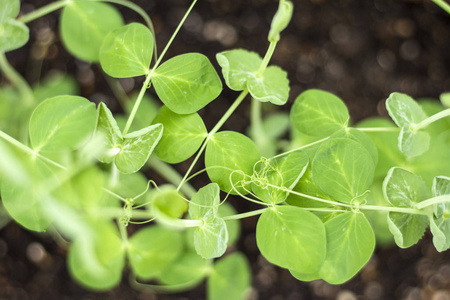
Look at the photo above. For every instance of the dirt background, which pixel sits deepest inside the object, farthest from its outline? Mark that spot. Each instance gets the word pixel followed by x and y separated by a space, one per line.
pixel 360 50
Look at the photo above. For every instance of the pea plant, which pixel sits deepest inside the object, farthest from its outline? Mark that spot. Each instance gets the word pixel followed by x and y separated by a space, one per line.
pixel 74 169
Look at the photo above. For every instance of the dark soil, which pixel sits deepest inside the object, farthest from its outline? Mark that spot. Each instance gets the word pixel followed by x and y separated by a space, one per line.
pixel 360 50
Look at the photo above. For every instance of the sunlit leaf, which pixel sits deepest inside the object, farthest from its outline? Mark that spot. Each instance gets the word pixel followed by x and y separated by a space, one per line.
pixel 127 51
pixel 186 83
pixel 182 137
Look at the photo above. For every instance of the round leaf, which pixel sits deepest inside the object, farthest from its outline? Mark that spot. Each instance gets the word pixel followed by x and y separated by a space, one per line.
pixel 152 249
pixel 186 83
pixel 230 152
pixel 404 110
pixel 292 238
pixel 319 113
pixel 13 35
pixel 182 137
pixel 189 269
pixel 350 244
pixel 127 51
pixel 343 169
pixel 9 9
pixel 84 25
pixel 62 123
pixel 272 87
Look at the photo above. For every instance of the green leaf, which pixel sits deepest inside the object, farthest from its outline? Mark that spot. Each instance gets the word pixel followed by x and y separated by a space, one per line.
pixel 153 249
pixel 96 261
pixel 404 110
pixel 350 243
pixel 182 137
pixel 343 169
pixel 228 155
pixel 238 66
pixel 445 99
pixel 440 223
pixel 240 70
pixel 62 123
pixel 167 204
pixel 319 113
pixel 283 172
pixel 9 9
pixel 402 188
pixel 361 138
pixel 136 148
pixel 407 229
pixel 13 35
pixel 186 83
pixel 272 86
pixel 292 238
pixel 84 25
pixel 112 137
pixel 305 276
pixel 230 279
pixel 413 143
pixel 127 51
pixel 210 239
pixel 187 269
pixel 25 204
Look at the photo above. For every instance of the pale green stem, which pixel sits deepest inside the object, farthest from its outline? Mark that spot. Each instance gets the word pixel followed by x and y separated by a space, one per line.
pixel 28 150
pixel 17 80
pixel 394 209
pixel 171 175
pixel 256 121
pixel 174 34
pixel 42 11
pixel 266 59
pixel 432 119
pixel 245 215
pixel 311 197
pixel 144 88
pixel 117 90
pixel 378 129
pixel 108 191
pixel 444 5
pixel 432 201
pixel 123 234
pixel 302 147
pixel 219 124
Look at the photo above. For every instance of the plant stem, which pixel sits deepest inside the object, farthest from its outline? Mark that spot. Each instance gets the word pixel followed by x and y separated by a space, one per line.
pixel 28 150
pixel 219 124
pixel 245 215
pixel 378 129
pixel 144 88
pixel 266 59
pixel 17 80
pixel 432 119
pixel 444 5
pixel 394 209
pixel 434 200
pixel 256 122
pixel 44 10
pixel 174 34
pixel 302 147
pixel 171 175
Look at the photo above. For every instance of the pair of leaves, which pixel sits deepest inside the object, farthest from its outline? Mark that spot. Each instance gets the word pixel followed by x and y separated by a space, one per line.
pixel 182 137
pixel 211 238
pixel 185 83
pixel 407 113
pixel 131 151
pixel 350 242
pixel 240 69
pixel 283 172
pixel 229 159
pixel 84 25
pixel 13 34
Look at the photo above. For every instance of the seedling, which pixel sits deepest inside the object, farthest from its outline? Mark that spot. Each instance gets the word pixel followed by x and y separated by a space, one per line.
pixel 75 168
